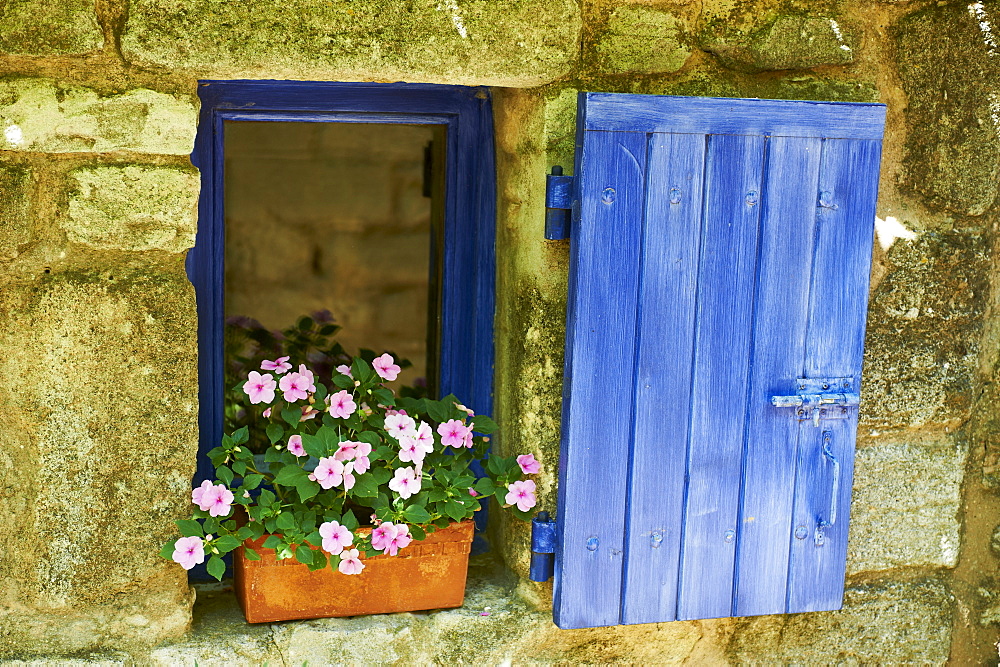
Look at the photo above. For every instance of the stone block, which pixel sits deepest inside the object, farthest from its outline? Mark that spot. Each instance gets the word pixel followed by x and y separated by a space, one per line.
pixel 924 328
pixel 885 622
pixel 98 417
pixel 45 28
pixel 133 208
pixel 46 116
pixel 946 52
pixel 788 42
pixel 15 198
pixel 642 40
pixel 907 496
pixel 502 42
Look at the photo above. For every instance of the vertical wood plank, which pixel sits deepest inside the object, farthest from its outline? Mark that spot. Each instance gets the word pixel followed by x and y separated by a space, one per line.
pixel 599 378
pixel 663 378
pixel 783 283
pixel 724 310
pixel 848 185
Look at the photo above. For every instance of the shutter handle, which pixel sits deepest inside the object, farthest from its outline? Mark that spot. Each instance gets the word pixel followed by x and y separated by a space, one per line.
pixel 835 491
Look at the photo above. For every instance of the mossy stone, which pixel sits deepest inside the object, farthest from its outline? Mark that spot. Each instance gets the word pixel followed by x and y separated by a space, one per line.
pixel 15 197
pixel 642 40
pixel 48 27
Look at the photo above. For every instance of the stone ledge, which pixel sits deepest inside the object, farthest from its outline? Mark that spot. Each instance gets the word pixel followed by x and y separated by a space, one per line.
pixel 49 27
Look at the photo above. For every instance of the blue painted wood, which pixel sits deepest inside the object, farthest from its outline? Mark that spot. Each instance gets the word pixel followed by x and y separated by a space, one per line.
pixel 783 285
pixel 834 345
pixel 777 298
pixel 599 378
pixel 708 115
pixel 469 259
pixel 558 204
pixel 734 170
pixel 663 377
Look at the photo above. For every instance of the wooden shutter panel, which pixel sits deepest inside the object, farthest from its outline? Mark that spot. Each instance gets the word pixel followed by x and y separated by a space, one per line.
pixel 720 257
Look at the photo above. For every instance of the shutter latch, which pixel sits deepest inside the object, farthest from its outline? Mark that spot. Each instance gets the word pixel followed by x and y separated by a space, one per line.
pixel 543 547
pixel 558 204
pixel 820 398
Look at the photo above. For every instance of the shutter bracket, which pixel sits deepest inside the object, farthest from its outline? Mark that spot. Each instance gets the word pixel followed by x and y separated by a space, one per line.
pixel 543 547
pixel 558 204
pixel 820 398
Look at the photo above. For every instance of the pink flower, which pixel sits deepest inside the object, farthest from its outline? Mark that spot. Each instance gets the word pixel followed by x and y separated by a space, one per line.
pixel 335 537
pixel 348 476
pixel 529 466
pixel 267 413
pixel 382 535
pixel 329 472
pixel 188 552
pixel 522 494
pixel 260 388
pixel 294 386
pixel 401 539
pixel 385 367
pixel 346 451
pixel 453 433
pixel 342 404
pixel 361 461
pixel 308 375
pixel 295 445
pixel 350 563
pixel 400 426
pixel 196 494
pixel 279 365
pixel 472 492
pixel 405 482
pixel 425 437
pixel 308 413
pixel 216 500
pixel 345 370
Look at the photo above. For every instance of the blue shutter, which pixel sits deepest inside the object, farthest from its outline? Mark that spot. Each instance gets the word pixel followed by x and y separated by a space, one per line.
pixel 715 328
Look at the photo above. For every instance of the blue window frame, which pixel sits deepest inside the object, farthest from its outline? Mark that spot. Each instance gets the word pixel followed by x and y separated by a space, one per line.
pixel 467 250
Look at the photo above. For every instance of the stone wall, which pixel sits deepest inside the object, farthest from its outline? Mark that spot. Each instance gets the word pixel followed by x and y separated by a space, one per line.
pixel 97 206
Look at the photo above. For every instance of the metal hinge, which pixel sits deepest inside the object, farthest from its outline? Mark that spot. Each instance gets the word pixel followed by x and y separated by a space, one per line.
pixel 558 204
pixel 543 547
pixel 820 398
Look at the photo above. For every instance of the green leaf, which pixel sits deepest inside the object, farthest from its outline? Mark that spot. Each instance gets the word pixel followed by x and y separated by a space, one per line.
pixel 485 486
pixel 318 397
pixel 291 416
pixel 272 455
pixel 319 561
pixel 455 510
pixel 244 533
pixel 349 521
pixel 168 550
pixel 314 445
pixel 483 424
pixel 365 487
pixel 224 474
pixel 216 567
pixel 438 411
pixel 384 397
pixel 306 489
pixel 380 475
pixel 285 521
pixel 210 525
pixel 417 532
pixel 272 542
pixel 291 475
pixel 305 323
pixel 315 539
pixel 418 514
pixel 304 554
pixel 190 528
pixel 436 494
pixel 343 382
pixel 241 435
pixel 383 453
pixel 361 371
pixel 501 496
pixel 266 498
pixel 274 432
pixel 371 438
pixel 239 468
pixel 250 554
pixel 227 543
pixel 463 481
pixel 251 482
pixel 495 465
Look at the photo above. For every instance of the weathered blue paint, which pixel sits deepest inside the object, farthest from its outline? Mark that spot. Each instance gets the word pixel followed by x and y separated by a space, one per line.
pixel 719 258
pixel 558 202
pixel 467 299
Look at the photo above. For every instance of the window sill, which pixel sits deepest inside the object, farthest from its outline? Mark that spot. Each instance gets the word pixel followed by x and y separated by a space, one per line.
pixel 494 620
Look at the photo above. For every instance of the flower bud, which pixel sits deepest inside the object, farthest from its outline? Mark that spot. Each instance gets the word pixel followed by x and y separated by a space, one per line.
pixel 208 537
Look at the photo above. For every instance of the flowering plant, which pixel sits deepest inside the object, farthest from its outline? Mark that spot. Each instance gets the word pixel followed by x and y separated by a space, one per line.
pixel 338 456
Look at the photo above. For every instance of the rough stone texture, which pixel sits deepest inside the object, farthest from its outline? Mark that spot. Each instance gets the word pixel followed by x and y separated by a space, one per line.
pixel 15 199
pixel 905 508
pixel 133 208
pixel 45 27
pixel 97 441
pixel 642 40
pixel 496 42
pixel 44 115
pixel 883 622
pixel 788 42
pixel 947 53
pixel 924 323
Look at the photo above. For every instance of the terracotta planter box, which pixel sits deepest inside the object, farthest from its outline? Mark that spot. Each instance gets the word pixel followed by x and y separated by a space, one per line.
pixel 427 574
